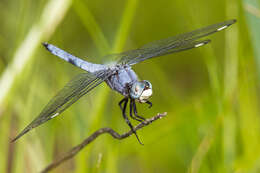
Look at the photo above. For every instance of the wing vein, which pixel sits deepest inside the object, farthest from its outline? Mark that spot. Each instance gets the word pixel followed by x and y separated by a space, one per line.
pixel 73 90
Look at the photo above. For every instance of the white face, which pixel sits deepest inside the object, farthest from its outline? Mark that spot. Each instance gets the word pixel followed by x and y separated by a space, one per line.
pixel 145 95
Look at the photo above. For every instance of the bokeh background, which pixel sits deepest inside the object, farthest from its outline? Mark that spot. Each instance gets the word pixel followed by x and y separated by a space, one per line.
pixel 211 93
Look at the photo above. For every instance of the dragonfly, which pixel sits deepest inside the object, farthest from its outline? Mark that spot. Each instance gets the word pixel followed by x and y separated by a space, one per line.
pixel 119 75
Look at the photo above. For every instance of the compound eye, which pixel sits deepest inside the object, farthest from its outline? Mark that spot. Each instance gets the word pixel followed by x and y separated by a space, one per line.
pixel 148 85
pixel 137 90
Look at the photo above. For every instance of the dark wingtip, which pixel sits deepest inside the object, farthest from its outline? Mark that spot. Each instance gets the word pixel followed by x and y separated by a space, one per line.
pixel 14 139
pixel 231 22
pixel 234 20
pixel 20 135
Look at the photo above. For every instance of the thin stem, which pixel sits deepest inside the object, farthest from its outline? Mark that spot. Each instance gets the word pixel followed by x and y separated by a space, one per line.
pixel 52 15
pixel 97 133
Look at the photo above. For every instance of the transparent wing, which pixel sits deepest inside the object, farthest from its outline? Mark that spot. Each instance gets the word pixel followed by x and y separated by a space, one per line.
pixel 183 47
pixel 169 45
pixel 73 90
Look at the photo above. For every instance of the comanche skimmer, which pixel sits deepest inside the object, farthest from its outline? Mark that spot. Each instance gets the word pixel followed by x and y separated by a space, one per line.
pixel 119 76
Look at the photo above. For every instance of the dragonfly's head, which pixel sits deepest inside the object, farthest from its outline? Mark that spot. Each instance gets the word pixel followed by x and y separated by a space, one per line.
pixel 141 90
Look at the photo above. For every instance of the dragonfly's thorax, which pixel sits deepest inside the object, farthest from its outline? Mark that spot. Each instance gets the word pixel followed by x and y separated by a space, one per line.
pixel 122 80
pixel 125 81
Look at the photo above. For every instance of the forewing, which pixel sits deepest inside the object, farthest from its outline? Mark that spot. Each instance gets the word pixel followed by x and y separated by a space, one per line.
pixel 73 90
pixel 165 46
pixel 183 47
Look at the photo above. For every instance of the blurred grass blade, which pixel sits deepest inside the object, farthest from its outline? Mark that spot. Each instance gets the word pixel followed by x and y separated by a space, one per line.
pixel 202 150
pixel 102 44
pixel 230 88
pixel 52 15
pixel 91 25
pixel 252 11
pixel 124 28
pixel 120 40
pixel 121 36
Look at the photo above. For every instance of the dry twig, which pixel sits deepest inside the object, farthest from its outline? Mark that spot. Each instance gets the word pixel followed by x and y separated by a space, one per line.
pixel 94 135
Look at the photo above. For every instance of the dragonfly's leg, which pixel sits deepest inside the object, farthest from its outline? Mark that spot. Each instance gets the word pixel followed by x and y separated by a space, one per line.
pixel 149 103
pixel 122 101
pixel 125 100
pixel 131 109
pixel 135 112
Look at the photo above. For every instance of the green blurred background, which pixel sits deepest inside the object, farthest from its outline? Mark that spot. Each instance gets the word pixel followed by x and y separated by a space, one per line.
pixel 211 93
